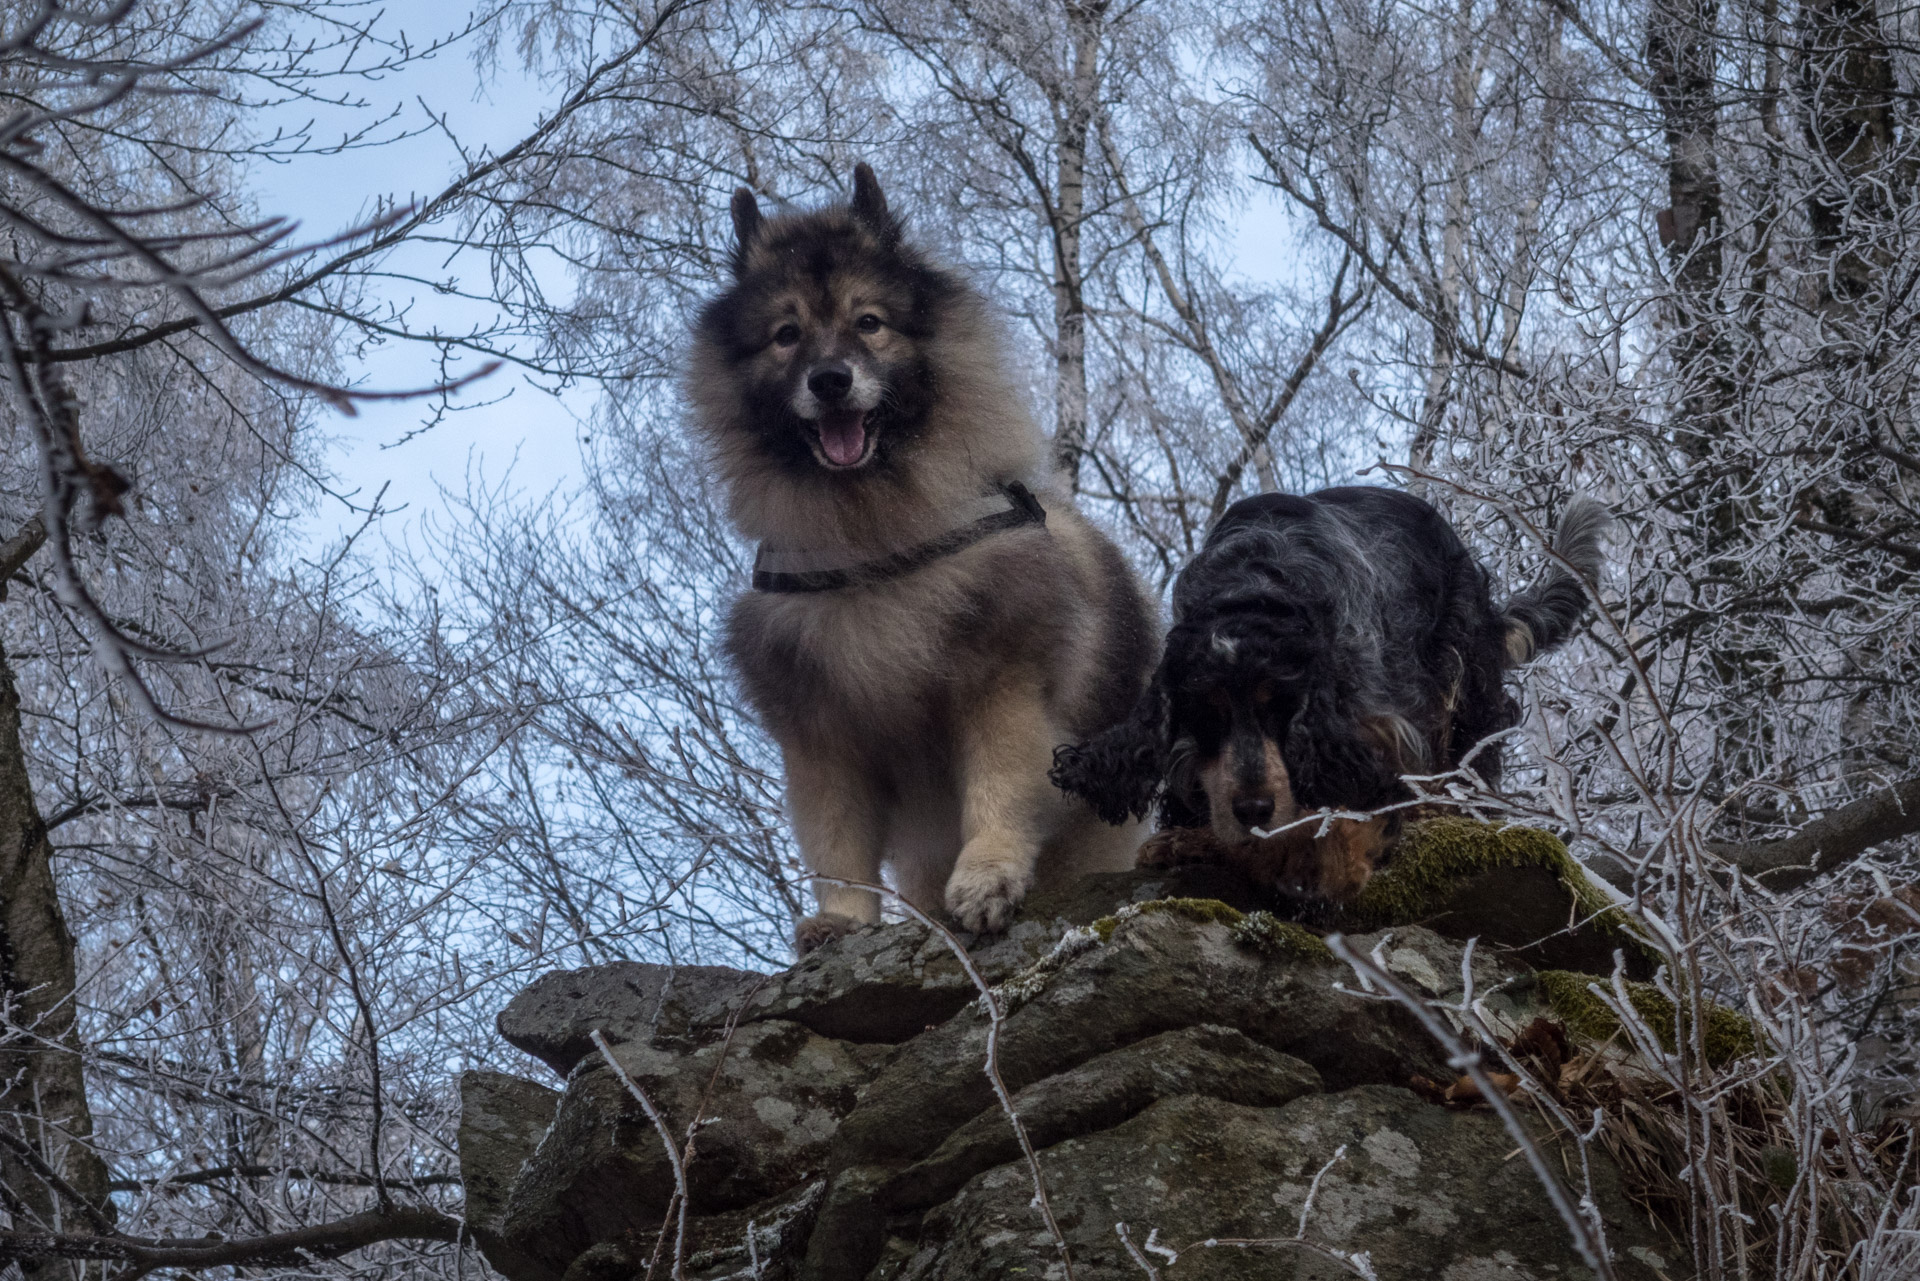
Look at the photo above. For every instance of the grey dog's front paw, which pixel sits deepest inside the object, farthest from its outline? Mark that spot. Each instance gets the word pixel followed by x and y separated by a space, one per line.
pixel 982 895
pixel 819 930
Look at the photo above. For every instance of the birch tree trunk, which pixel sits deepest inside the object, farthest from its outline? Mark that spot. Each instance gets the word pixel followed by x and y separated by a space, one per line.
pixel 1680 58
pixel 1462 128
pixel 1074 121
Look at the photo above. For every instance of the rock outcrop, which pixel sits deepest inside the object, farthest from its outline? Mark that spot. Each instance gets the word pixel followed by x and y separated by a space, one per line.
pixel 1179 1067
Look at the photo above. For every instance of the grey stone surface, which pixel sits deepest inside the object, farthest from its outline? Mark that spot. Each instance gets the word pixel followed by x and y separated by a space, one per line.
pixel 1159 972
pixel 889 983
pixel 1424 1192
pixel 1173 1075
pixel 768 1114
pixel 1430 963
pixel 554 1015
pixel 1101 1093
pixel 502 1120
pixel 881 984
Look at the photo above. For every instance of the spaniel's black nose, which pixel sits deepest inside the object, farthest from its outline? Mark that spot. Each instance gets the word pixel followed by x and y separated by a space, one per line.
pixel 1253 810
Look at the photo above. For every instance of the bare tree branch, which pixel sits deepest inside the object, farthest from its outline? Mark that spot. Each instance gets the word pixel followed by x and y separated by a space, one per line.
pixel 1830 841
pixel 320 1241
pixel 19 549
pixel 221 1173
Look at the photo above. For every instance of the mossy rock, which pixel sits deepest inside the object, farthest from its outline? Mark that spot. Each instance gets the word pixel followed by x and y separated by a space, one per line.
pixel 1092 898
pixel 1261 931
pixel 1264 932
pixel 1205 911
pixel 1728 1036
pixel 1435 858
pixel 1509 885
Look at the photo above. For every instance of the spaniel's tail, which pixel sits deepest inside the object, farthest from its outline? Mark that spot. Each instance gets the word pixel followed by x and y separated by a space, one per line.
pixel 1545 614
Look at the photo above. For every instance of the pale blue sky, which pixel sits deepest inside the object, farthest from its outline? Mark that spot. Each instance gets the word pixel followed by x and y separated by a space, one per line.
pixel 525 428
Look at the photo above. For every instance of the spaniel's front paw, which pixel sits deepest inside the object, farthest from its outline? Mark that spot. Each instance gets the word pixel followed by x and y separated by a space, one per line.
pixel 1179 847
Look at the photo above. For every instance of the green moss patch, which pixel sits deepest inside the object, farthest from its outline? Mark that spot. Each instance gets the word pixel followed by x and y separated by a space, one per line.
pixel 1206 911
pixel 1728 1035
pixel 1436 858
pixel 1266 933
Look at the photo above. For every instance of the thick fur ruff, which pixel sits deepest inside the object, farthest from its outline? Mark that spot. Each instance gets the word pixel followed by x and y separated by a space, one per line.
pixel 853 396
pixel 1323 647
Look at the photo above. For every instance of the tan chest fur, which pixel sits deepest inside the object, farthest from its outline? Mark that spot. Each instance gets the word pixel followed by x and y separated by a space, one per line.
pixel 895 659
pixel 877 653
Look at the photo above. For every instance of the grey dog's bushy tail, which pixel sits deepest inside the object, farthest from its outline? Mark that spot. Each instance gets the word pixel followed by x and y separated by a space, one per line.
pixel 1545 614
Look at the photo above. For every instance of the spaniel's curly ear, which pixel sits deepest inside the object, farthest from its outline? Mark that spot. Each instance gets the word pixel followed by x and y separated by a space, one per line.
pixel 1333 762
pixel 1118 771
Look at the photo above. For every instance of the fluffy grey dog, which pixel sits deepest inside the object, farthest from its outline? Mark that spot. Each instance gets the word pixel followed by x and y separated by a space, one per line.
pixel 931 615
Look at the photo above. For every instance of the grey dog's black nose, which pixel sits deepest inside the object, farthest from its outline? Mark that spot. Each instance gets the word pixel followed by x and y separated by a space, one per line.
pixel 1253 810
pixel 830 382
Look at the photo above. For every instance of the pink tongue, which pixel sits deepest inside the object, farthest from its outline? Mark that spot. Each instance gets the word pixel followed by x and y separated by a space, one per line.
pixel 843 436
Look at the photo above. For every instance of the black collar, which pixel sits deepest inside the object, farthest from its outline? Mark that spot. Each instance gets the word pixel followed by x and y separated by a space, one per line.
pixel 1021 508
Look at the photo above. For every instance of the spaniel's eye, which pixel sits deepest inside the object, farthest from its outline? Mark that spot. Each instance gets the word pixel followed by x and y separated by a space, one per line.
pixel 868 323
pixel 1263 693
pixel 787 335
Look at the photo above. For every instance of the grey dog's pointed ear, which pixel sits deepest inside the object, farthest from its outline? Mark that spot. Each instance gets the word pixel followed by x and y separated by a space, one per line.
pixel 747 224
pixel 870 206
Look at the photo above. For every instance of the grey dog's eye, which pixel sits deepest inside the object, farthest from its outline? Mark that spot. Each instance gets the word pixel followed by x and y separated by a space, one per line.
pixel 787 335
pixel 868 324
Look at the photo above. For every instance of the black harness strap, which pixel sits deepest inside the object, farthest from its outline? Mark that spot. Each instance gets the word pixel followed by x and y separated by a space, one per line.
pixel 1025 510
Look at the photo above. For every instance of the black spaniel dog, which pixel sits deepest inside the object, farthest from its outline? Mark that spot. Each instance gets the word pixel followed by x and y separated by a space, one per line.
pixel 1322 647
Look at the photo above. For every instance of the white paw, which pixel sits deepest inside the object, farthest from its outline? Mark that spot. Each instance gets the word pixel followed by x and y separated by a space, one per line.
pixel 982 895
pixel 821 929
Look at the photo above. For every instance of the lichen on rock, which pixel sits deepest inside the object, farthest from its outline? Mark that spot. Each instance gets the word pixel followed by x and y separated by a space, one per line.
pixel 1205 911
pixel 1266 933
pixel 1030 982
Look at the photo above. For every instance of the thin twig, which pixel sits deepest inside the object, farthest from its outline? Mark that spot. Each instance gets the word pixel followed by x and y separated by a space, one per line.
pixel 1313 1190
pixel 1133 1251
pixel 1588 1235
pixel 673 1154
pixel 996 1019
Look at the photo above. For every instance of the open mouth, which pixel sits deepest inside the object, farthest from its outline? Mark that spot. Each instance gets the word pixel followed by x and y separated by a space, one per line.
pixel 842 440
